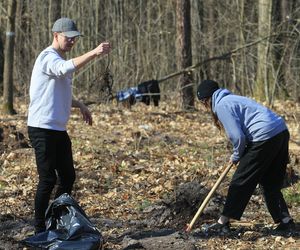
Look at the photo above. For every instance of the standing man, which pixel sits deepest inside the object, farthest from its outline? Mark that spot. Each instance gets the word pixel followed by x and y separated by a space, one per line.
pixel 49 111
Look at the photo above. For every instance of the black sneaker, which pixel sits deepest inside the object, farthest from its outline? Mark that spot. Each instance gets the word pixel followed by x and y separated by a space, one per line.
pixel 219 228
pixel 286 227
pixel 38 230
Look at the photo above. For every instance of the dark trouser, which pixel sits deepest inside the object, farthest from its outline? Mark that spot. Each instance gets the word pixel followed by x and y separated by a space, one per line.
pixel 54 162
pixel 263 163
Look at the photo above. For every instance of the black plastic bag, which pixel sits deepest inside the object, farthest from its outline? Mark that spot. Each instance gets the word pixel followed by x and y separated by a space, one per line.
pixel 67 228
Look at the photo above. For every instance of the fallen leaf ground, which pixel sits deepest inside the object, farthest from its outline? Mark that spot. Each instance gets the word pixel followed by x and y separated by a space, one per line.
pixel 130 162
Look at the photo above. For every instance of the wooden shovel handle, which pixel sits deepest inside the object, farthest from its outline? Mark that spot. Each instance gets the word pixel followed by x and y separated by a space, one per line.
pixel 206 200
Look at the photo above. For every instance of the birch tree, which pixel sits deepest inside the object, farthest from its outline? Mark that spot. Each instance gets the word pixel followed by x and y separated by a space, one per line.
pixel 264 28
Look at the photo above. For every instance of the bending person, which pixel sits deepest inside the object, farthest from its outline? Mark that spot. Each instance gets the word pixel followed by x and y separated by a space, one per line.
pixel 260 140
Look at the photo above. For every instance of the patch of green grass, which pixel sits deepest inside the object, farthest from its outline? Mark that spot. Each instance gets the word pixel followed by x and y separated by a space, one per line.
pixel 145 203
pixel 292 194
pixel 2 185
pixel 76 143
pixel 108 182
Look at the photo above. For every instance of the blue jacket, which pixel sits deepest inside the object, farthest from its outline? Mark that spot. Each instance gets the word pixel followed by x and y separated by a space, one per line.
pixel 244 120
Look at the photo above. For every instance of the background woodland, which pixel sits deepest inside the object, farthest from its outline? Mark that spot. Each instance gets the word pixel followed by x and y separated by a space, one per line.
pixel 153 39
pixel 148 168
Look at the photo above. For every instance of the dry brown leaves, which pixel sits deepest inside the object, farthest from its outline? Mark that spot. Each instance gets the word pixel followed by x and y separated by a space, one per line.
pixel 128 159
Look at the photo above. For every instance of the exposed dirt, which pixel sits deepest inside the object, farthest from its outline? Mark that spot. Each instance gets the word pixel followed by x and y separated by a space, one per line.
pixel 141 176
pixel 11 138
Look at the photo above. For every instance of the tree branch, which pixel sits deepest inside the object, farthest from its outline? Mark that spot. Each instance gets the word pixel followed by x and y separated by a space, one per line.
pixel 221 57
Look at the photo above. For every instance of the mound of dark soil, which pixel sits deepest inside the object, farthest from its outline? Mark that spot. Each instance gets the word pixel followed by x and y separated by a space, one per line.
pixel 181 205
pixel 11 138
pixel 12 231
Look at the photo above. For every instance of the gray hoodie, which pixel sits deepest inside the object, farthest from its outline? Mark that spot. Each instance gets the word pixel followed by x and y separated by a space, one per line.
pixel 244 120
pixel 50 91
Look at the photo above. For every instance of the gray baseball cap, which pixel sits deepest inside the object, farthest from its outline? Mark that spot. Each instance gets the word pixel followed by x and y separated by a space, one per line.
pixel 66 26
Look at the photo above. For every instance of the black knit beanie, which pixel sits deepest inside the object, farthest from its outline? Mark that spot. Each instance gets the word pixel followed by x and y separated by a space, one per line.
pixel 206 89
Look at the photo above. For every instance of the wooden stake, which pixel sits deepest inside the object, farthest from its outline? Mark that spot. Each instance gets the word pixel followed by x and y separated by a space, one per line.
pixel 206 200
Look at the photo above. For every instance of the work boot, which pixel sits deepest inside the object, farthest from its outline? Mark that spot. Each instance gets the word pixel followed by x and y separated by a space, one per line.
pixel 286 227
pixel 218 228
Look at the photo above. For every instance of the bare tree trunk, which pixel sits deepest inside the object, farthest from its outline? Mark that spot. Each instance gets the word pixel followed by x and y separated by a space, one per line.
pixel 54 14
pixel 9 60
pixel 1 64
pixel 264 26
pixel 184 57
pixel 21 75
pixel 285 77
pixel 210 68
pixel 240 72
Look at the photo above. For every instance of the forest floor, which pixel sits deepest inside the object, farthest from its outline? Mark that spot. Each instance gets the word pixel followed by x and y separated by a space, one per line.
pixel 142 174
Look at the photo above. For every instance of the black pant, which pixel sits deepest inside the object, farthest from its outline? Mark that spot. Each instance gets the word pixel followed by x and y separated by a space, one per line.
pixel 263 163
pixel 54 160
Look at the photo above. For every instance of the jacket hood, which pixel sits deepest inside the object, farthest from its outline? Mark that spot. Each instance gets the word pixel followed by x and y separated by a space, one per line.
pixel 218 95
